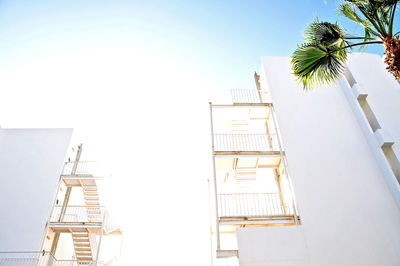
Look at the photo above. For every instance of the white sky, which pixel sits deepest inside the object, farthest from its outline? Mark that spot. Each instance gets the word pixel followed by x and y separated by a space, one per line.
pixel 137 101
pixel 144 114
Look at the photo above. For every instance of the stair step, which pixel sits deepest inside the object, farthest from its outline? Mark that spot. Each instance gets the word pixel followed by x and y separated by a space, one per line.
pixel 89 187
pixel 83 253
pixel 81 240
pixel 83 249
pixel 78 239
pixel 87 258
pixel 80 245
pixel 90 197
pixel 80 235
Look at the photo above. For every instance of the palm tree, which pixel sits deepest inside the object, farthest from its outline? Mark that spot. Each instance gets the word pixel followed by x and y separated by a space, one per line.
pixel 321 58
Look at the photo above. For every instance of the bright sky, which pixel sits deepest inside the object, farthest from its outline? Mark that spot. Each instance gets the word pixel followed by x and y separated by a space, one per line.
pixel 134 78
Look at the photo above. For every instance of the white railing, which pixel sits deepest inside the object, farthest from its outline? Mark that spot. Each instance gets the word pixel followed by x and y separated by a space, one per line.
pixel 75 263
pixel 252 205
pixel 249 96
pixel 40 258
pixel 27 258
pixel 83 168
pixel 77 214
pixel 245 142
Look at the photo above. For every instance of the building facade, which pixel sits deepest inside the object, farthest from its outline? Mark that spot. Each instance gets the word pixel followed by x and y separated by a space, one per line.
pixel 308 178
pixel 53 210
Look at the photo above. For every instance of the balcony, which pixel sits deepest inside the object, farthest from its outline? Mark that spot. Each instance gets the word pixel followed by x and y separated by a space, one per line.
pixel 85 174
pixel 77 216
pixel 241 208
pixel 76 263
pixel 249 96
pixel 40 259
pixel 247 143
pixel 83 168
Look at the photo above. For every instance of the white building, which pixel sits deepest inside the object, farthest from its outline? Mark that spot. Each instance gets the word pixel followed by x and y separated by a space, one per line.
pixel 309 178
pixel 51 211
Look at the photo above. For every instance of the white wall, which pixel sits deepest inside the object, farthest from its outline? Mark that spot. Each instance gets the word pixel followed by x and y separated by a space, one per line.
pixel 348 214
pixel 31 161
pixel 382 89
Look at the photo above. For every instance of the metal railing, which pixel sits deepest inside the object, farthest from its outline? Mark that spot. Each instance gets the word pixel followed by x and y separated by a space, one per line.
pixel 249 96
pixel 40 258
pixel 77 214
pixel 83 168
pixel 252 205
pixel 25 258
pixel 76 263
pixel 245 142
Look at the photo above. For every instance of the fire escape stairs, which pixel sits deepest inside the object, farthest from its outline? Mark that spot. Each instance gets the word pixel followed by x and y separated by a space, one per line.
pixel 81 237
pixel 91 198
pixel 82 245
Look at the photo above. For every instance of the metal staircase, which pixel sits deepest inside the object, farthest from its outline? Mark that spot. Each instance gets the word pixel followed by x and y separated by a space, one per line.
pixel 85 222
pixel 82 246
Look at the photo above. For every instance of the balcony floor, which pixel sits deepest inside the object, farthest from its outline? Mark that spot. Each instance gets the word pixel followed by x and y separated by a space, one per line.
pixel 271 220
pixel 94 228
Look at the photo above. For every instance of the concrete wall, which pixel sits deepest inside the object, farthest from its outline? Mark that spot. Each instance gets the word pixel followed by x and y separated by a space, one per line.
pixel 382 89
pixel 349 216
pixel 31 161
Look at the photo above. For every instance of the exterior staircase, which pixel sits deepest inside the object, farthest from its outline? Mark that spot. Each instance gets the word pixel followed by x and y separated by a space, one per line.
pixel 81 237
pixel 82 246
pixel 91 198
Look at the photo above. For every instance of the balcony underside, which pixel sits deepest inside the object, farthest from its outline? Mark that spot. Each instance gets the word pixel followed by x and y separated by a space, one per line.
pixel 262 105
pixel 223 253
pixel 227 163
pixel 79 180
pixel 248 153
pixel 270 220
pixel 94 228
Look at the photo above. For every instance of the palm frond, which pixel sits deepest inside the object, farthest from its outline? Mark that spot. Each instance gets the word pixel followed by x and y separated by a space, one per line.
pixel 324 33
pixel 314 64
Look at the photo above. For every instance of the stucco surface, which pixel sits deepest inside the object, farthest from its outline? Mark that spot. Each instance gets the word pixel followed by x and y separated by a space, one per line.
pixel 348 214
pixel 31 161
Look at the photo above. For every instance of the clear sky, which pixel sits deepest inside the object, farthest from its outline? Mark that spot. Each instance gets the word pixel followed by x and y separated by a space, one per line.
pixel 222 40
pixel 134 78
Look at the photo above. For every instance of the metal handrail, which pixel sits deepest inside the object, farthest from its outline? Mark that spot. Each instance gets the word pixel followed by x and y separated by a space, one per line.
pixel 246 142
pixel 252 205
pixel 249 96
pixel 78 214
pixel 83 168
pixel 39 258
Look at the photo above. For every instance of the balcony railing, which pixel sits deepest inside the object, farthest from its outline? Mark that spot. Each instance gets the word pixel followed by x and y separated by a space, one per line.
pixel 252 205
pixel 76 263
pixel 83 168
pixel 245 142
pixel 77 214
pixel 249 96
pixel 37 258
pixel 27 258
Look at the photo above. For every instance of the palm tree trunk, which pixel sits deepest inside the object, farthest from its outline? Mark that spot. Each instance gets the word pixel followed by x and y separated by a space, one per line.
pixel 392 56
